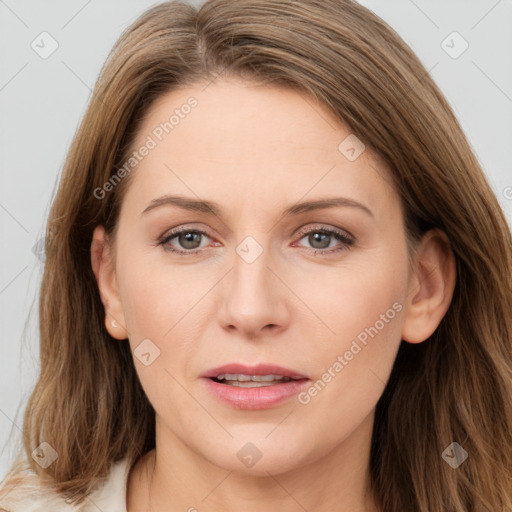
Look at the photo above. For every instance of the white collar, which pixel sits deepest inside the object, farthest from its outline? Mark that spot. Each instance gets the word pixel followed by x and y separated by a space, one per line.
pixel 30 496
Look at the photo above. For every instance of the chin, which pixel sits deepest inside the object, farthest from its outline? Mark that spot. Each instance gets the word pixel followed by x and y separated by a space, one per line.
pixel 261 456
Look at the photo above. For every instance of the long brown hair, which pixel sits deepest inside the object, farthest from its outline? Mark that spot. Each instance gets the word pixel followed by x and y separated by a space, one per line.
pixel 88 403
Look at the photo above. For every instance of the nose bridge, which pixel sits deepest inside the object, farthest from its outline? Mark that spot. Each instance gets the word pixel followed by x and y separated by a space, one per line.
pixel 253 297
pixel 250 272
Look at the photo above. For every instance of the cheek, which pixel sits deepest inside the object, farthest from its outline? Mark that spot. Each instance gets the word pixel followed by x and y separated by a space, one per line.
pixel 158 303
pixel 369 304
pixel 362 307
pixel 161 303
pixel 349 300
pixel 158 297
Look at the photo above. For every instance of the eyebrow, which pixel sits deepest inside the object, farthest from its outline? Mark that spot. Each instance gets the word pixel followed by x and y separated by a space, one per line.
pixel 204 206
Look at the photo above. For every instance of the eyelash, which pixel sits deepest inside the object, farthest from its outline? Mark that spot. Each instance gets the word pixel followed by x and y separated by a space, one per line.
pixel 347 241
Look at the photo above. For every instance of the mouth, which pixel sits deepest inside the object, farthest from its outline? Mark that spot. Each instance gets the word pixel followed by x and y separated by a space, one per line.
pixel 254 387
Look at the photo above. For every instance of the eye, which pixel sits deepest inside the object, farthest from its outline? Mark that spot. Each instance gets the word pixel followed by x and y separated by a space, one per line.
pixel 189 239
pixel 321 238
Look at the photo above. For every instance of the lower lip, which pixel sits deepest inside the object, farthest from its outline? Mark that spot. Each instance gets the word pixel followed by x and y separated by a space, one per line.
pixel 263 397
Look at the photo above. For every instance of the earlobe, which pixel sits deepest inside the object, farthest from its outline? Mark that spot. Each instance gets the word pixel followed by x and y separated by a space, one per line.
pixel 115 329
pixel 104 271
pixel 432 286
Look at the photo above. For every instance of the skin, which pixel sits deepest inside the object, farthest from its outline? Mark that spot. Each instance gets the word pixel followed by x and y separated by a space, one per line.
pixel 256 150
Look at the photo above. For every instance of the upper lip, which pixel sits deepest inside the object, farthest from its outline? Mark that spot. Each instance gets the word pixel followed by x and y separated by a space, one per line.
pixel 259 369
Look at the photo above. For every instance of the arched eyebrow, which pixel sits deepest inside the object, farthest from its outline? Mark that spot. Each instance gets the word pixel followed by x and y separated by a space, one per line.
pixel 198 205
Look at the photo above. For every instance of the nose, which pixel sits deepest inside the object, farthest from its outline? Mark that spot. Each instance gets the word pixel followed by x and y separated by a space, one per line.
pixel 254 300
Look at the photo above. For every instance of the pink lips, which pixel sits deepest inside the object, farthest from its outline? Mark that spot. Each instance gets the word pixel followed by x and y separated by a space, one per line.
pixel 263 397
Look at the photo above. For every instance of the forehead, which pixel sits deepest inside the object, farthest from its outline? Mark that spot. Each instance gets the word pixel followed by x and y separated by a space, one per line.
pixel 238 139
pixel 245 119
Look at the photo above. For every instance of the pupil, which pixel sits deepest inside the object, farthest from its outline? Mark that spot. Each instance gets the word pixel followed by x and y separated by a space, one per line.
pixel 188 238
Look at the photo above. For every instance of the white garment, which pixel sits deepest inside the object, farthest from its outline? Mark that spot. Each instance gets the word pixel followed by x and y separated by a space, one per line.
pixel 110 496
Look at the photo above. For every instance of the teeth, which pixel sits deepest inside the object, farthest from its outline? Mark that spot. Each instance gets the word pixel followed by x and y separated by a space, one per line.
pixel 251 384
pixel 237 378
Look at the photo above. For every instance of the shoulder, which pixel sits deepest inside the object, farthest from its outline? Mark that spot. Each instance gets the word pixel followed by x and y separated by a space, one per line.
pixel 30 496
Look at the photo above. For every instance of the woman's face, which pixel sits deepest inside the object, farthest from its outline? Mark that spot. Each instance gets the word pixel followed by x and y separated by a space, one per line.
pixel 269 284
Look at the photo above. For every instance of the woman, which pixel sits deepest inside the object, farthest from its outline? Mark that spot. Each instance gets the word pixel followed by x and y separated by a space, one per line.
pixel 276 279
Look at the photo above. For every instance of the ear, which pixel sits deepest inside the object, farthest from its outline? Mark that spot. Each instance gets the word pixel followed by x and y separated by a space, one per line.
pixel 104 270
pixel 431 287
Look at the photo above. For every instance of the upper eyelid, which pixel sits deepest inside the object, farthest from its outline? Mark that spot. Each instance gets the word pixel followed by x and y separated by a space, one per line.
pixel 322 227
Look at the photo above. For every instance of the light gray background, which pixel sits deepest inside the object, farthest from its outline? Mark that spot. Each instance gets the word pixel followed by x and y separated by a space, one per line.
pixel 42 101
